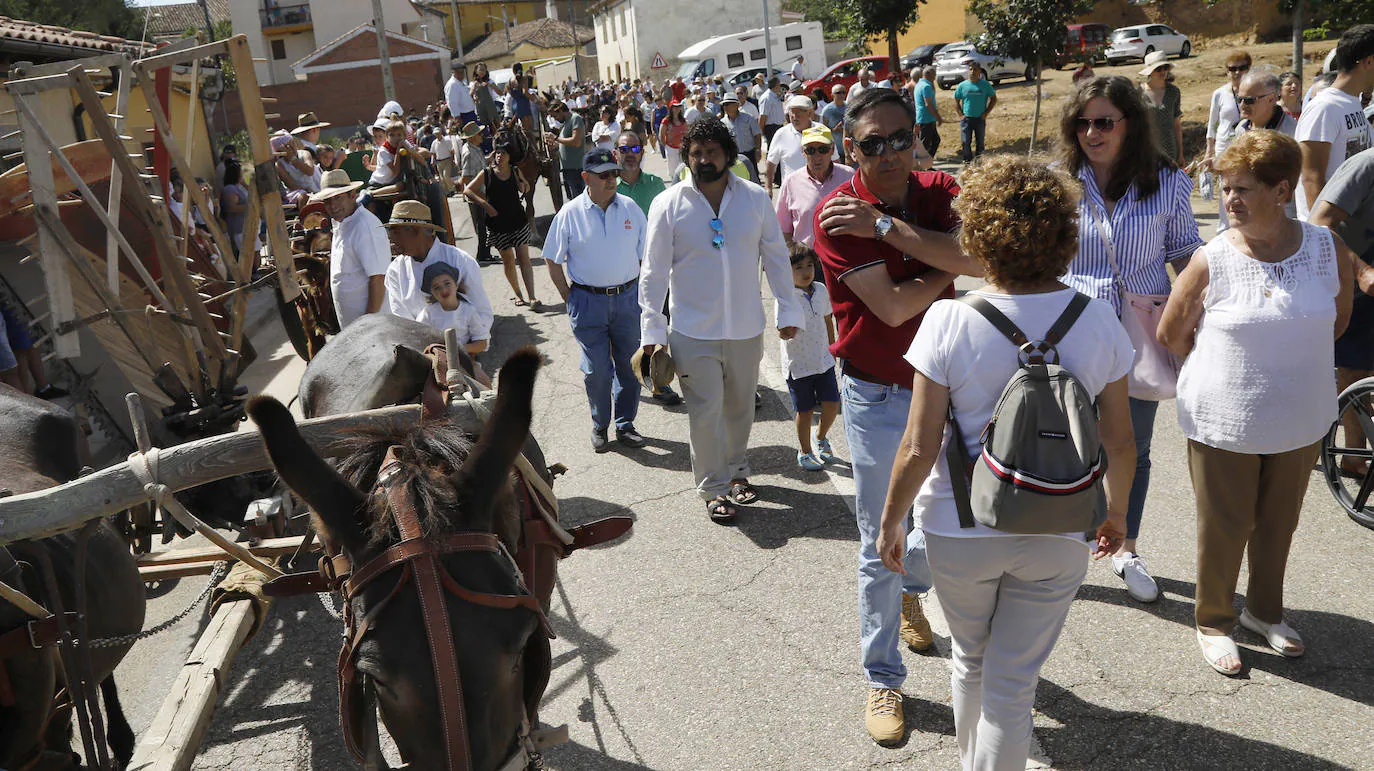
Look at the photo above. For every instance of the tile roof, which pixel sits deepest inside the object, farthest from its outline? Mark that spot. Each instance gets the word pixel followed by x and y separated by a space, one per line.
pixel 176 19
pixel 32 32
pixel 544 33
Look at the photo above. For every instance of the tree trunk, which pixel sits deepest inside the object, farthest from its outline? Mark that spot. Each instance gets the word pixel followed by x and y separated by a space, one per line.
pixel 1298 7
pixel 894 64
pixel 1035 119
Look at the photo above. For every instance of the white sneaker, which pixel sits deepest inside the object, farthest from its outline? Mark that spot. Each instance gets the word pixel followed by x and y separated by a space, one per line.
pixel 1133 570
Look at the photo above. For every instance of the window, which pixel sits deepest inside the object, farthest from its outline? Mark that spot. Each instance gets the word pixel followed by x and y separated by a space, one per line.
pixel 734 60
pixel 708 68
pixel 793 42
pixel 757 54
pixel 1156 30
pixel 621 14
pixel 278 49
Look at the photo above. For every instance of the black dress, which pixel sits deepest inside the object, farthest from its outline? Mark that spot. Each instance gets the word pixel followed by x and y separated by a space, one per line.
pixel 509 227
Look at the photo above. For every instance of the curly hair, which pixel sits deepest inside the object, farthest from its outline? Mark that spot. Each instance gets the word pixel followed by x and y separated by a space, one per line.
pixel 1020 219
pixel 708 128
pixel 1141 159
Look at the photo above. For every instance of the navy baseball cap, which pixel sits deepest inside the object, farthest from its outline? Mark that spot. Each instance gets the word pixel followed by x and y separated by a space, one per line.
pixel 598 160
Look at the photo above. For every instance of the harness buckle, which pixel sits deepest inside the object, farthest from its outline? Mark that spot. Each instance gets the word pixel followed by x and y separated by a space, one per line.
pixel 33 639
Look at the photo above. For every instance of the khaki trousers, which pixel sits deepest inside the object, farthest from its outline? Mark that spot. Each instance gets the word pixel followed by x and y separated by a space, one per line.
pixel 1247 506
pixel 718 380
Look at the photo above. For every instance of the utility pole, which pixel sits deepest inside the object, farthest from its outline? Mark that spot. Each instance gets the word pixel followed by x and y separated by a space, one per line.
pixel 379 24
pixel 504 22
pixel 457 27
pixel 767 43
pixel 577 48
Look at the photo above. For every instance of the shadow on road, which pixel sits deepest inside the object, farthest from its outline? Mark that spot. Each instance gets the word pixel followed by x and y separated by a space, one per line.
pixel 1337 646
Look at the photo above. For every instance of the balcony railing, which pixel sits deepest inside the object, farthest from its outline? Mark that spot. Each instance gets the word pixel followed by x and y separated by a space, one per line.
pixel 285 16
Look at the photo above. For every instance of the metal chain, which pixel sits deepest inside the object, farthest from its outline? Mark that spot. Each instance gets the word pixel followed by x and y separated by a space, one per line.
pixel 221 569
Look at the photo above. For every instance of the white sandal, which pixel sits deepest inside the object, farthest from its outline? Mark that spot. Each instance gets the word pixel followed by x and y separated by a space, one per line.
pixel 1216 647
pixel 1280 636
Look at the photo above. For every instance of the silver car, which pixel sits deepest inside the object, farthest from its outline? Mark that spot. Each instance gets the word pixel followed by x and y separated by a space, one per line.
pixel 1141 41
pixel 951 65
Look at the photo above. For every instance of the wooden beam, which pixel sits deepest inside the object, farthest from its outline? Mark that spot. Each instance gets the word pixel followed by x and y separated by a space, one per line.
pixel 126 76
pixel 146 65
pixel 255 121
pixel 113 489
pixel 268 547
pixel 173 739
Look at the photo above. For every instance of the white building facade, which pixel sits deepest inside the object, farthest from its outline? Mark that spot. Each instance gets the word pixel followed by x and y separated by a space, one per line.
pixel 285 31
pixel 631 34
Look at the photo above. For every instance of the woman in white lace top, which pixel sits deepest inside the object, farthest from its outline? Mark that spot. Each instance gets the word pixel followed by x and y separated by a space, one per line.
pixel 1254 313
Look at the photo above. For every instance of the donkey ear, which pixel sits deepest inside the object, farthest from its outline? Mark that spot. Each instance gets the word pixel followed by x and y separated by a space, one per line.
pixel 334 500
pixel 488 465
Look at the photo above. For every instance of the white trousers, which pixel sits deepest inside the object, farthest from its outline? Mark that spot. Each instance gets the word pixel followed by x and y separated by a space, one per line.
pixel 1005 599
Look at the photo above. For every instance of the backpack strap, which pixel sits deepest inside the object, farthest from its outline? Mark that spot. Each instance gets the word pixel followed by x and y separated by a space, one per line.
pixel 956 455
pixel 996 318
pixel 1066 319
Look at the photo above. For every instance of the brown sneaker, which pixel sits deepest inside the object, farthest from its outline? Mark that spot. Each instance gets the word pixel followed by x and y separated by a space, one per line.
pixel 883 716
pixel 915 628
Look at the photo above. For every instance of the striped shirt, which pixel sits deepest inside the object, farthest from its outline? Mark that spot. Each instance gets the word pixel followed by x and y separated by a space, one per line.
pixel 1145 234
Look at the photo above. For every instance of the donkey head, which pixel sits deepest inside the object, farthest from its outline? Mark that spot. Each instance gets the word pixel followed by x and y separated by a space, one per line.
pixel 456 487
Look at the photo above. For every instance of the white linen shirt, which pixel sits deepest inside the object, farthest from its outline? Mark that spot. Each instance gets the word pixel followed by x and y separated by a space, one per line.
pixel 358 251
pixel 602 248
pixel 785 150
pixel 770 105
pixel 458 94
pixel 406 297
pixel 715 292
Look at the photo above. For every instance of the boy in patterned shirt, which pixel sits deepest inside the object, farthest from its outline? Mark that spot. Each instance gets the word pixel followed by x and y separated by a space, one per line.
pixel 810 367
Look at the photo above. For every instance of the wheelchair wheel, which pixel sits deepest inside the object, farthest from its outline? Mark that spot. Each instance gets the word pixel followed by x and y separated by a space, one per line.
pixel 1352 491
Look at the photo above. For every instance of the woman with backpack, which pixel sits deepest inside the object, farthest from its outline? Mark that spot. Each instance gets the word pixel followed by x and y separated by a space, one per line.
pixel 1135 216
pixel 1006 594
pixel 1256 394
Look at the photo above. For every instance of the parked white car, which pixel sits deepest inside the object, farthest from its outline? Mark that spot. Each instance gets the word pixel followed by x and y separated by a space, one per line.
pixel 951 65
pixel 1141 41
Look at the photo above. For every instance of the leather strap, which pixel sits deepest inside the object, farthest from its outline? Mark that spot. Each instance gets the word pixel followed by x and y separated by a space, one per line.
pixel 598 532
pixel 34 635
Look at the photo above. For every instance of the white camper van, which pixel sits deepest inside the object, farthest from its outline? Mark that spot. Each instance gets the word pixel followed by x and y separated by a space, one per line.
pixel 728 54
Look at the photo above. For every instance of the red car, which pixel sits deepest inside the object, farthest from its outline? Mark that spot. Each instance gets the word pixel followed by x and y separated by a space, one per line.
pixel 846 73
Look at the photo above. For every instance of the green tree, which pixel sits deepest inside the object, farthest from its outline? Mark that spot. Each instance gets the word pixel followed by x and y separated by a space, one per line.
pixel 1030 30
pixel 105 17
pixel 860 21
pixel 837 17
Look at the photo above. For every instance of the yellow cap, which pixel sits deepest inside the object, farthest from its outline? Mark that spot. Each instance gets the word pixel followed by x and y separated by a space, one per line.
pixel 817 135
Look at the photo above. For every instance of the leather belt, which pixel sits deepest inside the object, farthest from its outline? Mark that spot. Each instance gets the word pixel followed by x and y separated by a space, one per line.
pixel 850 370
pixel 608 290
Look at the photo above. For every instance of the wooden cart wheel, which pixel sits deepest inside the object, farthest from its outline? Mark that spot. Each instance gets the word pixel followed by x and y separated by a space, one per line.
pixel 295 330
pixel 1352 491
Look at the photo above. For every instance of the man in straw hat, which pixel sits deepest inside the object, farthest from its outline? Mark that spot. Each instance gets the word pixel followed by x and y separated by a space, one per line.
pixel 413 234
pixel 600 236
pixel 307 131
pixel 358 253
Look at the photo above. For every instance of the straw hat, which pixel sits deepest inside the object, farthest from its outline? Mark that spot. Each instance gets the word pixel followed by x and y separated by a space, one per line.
pixel 306 121
pixel 335 182
pixel 657 372
pixel 1153 61
pixel 412 214
pixel 470 129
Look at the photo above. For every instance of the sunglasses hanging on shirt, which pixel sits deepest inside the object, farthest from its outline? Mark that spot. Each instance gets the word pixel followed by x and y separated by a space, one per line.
pixel 718 227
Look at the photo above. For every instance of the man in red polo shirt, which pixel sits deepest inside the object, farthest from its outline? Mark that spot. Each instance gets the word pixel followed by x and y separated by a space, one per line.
pixel 884 243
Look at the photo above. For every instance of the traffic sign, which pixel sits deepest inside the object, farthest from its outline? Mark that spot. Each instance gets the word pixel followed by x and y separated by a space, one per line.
pixel 658 63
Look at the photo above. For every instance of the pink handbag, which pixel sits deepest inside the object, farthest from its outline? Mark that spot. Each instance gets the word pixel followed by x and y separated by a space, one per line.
pixel 1154 374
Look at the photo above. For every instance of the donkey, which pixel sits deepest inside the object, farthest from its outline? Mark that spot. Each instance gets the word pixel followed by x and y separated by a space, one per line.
pixel 39 448
pixel 457 487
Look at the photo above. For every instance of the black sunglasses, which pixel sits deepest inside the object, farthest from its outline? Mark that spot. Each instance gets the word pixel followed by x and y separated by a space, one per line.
pixel 1103 125
pixel 898 141
pixel 819 149
pixel 605 176
pixel 1238 68
pixel 1249 100
pixel 634 149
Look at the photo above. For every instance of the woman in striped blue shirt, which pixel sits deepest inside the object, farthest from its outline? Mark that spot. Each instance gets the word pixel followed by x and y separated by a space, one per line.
pixel 1135 212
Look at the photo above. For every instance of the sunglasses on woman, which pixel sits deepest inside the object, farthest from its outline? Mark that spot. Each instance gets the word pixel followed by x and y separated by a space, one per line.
pixel 1103 125
pixel 819 149
pixel 1238 68
pixel 1249 100
pixel 897 141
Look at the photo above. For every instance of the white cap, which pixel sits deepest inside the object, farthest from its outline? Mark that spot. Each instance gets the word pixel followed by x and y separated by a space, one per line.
pixel 801 101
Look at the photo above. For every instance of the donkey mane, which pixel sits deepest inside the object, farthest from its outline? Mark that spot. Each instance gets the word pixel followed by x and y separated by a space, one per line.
pixel 430 456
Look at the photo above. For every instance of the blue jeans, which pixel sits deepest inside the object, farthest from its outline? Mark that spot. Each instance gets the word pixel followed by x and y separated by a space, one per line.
pixel 1143 424
pixel 874 419
pixel 972 131
pixel 607 331
pixel 572 183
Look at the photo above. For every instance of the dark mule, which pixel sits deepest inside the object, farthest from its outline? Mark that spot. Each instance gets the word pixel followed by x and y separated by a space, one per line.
pixel 457 487
pixel 534 161
pixel 39 448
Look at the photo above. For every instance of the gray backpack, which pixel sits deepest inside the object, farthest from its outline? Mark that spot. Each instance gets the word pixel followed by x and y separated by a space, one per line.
pixel 1042 462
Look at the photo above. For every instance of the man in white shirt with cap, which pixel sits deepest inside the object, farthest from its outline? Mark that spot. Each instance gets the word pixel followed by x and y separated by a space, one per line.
pixel 414 234
pixel 785 148
pixel 359 253
pixel 707 239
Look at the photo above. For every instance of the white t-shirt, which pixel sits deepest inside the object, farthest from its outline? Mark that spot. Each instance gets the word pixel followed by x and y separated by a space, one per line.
pixel 808 353
pixel 386 171
pixel 605 134
pixel 465 319
pixel 442 147
pixel 1222 114
pixel 1338 118
pixel 785 150
pixel 958 348
pixel 359 251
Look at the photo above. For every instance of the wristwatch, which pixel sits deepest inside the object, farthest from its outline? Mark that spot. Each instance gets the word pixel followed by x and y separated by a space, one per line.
pixel 881 226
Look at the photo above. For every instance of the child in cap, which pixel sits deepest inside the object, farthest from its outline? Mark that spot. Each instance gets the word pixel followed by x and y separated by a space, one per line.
pixel 810 367
pixel 447 308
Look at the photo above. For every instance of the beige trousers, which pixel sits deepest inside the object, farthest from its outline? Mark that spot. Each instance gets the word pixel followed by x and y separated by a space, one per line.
pixel 1247 505
pixel 718 380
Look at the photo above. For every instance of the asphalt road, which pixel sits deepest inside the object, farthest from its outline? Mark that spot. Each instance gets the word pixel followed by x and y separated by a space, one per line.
pixel 693 646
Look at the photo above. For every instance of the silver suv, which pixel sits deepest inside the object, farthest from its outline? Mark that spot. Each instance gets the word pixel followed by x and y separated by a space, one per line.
pixel 951 65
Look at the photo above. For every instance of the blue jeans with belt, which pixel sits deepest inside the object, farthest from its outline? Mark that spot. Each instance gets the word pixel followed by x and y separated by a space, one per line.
pixel 971 132
pixel 874 419
pixel 607 330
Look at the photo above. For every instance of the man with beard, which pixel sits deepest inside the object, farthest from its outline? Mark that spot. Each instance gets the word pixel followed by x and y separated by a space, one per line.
pixel 706 240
